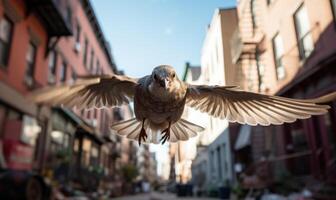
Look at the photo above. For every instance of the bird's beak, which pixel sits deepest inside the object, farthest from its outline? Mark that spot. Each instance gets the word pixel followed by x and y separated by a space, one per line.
pixel 164 83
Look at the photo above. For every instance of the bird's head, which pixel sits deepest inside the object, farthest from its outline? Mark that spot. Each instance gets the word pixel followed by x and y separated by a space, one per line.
pixel 164 80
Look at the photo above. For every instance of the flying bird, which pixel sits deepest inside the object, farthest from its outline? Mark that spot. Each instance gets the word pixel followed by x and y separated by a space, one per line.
pixel 160 98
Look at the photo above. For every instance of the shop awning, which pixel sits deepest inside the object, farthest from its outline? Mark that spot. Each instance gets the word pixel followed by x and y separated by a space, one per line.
pixel 83 127
pixel 244 137
pixel 16 100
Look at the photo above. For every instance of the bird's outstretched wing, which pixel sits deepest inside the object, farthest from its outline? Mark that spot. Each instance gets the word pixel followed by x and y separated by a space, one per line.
pixel 235 105
pixel 88 92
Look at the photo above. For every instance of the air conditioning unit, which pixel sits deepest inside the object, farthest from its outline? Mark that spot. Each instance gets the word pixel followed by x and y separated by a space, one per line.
pixel 77 47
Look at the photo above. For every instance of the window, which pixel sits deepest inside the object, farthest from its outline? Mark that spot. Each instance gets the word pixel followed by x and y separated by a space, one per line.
pixel 97 67
pixel 269 2
pixel 30 64
pixel 86 152
pixel 2 120
pixel 95 114
pixel 91 61
pixel 278 51
pixel 73 76
pixel 94 153
pixel 333 7
pixel 329 118
pixel 261 72
pixel 63 73
pixel 85 51
pixel 254 13
pixel 77 37
pixel 52 67
pixel 69 15
pixel 303 33
pixel 6 31
pixel 59 141
pixel 219 162
pixel 212 164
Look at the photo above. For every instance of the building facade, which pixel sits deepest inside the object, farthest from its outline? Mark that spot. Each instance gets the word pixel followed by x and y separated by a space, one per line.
pixel 210 151
pixel 47 43
pixel 286 48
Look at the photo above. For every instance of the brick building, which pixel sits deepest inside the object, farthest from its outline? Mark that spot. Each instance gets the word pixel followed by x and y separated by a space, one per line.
pixel 287 48
pixel 49 43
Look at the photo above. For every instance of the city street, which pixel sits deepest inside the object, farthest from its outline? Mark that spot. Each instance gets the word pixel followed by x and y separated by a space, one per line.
pixel 221 99
pixel 158 196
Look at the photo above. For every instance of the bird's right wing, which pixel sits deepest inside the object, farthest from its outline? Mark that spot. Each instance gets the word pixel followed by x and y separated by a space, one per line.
pixel 88 92
pixel 235 105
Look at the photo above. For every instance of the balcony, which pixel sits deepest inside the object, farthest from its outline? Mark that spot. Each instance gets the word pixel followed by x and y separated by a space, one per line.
pixel 242 44
pixel 55 14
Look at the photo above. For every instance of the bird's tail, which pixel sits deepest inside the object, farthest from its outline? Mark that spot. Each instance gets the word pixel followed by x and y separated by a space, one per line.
pixel 128 128
pixel 180 130
pixel 131 129
pixel 183 130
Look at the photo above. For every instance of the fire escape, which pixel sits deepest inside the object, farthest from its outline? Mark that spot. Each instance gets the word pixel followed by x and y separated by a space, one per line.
pixel 56 15
pixel 247 42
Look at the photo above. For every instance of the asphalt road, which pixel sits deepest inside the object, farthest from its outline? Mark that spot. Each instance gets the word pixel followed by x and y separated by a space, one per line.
pixel 158 196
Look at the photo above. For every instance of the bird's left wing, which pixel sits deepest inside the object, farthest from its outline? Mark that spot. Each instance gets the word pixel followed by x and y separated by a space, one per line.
pixel 88 92
pixel 235 105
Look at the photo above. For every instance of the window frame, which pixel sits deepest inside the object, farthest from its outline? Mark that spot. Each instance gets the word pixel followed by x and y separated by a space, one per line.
pixel 261 75
pixel 77 37
pixel 32 65
pixel 86 47
pixel 97 67
pixel 333 9
pixel 73 75
pixel 63 76
pixel 253 16
pixel 270 2
pixel 277 60
pixel 10 41
pixel 299 39
pixel 54 69
pixel 91 64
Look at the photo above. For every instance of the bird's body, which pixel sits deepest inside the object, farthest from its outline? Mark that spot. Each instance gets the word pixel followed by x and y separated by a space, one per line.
pixel 157 104
pixel 160 98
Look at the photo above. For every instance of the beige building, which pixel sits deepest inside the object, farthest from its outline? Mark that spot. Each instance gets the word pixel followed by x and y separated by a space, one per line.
pixel 216 69
pixel 288 48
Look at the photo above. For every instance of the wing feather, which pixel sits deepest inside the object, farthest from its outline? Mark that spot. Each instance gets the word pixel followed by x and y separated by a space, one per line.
pixel 251 108
pixel 89 92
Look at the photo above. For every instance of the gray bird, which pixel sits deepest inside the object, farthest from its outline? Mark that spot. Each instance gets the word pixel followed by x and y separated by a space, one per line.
pixel 160 98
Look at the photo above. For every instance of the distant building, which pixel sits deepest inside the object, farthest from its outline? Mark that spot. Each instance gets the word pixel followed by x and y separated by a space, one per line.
pixel 185 151
pixel 287 48
pixel 212 166
pixel 200 171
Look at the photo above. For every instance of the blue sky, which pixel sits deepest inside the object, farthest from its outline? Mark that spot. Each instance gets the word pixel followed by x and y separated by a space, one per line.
pixel 147 33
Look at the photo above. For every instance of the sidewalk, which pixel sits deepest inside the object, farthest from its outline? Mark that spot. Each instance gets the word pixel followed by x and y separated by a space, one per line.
pixel 159 196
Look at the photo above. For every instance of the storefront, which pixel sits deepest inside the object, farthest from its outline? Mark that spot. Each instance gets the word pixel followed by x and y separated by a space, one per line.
pixel 60 142
pixel 19 130
pixel 315 136
pixel 87 158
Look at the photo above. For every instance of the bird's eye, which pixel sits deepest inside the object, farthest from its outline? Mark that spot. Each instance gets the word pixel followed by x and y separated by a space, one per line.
pixel 155 77
pixel 173 75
